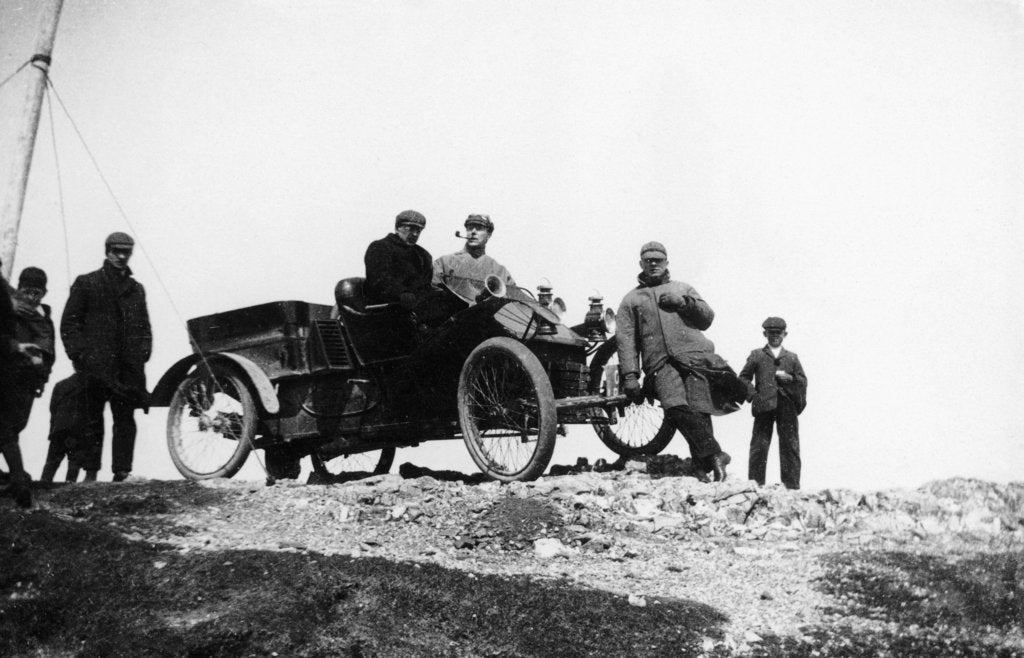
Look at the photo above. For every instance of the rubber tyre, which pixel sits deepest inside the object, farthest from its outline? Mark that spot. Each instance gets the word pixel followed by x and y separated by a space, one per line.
pixel 507 410
pixel 211 423
pixel 642 428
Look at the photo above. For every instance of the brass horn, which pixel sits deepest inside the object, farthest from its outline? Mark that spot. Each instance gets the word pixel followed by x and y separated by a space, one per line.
pixel 493 287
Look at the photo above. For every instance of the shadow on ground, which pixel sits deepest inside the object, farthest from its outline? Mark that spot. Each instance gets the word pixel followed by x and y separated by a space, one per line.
pixel 69 588
pixel 930 605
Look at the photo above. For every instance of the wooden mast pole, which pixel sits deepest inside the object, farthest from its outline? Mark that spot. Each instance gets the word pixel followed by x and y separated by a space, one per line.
pixel 14 197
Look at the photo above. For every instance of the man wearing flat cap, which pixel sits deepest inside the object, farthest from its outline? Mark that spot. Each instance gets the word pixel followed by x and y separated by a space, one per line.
pixel 466 270
pixel 397 269
pixel 779 393
pixel 107 335
pixel 26 343
pixel 660 323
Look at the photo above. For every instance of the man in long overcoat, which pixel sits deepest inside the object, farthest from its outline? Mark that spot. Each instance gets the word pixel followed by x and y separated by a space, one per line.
pixel 397 269
pixel 661 323
pixel 24 380
pixel 400 271
pixel 13 353
pixel 107 336
pixel 779 394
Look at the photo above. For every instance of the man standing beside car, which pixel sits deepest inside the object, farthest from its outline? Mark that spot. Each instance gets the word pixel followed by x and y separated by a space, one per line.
pixel 466 270
pixel 106 333
pixel 661 323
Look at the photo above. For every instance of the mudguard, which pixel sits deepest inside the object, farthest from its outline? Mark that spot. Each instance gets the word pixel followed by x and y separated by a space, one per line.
pixel 164 389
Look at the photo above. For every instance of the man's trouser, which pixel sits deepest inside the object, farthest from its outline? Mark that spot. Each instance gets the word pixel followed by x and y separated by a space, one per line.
pixel 16 400
pixel 15 408
pixel 89 451
pixel 699 434
pixel 784 416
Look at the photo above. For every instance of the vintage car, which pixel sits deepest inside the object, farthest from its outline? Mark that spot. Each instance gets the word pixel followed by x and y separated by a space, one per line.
pixel 347 385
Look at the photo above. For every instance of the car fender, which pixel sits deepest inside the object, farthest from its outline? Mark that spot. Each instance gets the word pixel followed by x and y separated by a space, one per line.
pixel 164 389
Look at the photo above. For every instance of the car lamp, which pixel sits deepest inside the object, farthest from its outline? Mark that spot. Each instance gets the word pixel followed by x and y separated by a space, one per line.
pixel 544 294
pixel 594 320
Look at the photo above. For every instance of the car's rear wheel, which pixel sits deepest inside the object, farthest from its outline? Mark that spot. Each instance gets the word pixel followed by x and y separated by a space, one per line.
pixel 507 410
pixel 372 462
pixel 211 423
pixel 641 429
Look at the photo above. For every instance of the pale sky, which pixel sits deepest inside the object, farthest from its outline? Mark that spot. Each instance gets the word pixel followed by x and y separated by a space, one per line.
pixel 853 167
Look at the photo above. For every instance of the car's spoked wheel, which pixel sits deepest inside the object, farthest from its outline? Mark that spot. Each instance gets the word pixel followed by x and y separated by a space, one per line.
pixel 211 422
pixel 642 429
pixel 507 410
pixel 373 462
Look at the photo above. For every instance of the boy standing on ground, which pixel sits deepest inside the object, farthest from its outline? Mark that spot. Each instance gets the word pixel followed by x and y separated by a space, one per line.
pixel 67 410
pixel 778 398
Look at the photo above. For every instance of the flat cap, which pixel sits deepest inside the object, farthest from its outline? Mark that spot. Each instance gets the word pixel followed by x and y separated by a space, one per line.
pixel 479 220
pixel 410 217
pixel 32 277
pixel 653 248
pixel 774 324
pixel 117 238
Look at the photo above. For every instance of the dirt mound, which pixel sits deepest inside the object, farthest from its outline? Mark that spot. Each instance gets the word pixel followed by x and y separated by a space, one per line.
pixel 438 564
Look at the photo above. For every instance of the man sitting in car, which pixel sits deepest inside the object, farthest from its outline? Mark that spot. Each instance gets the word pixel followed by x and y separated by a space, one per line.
pixel 397 269
pixel 466 270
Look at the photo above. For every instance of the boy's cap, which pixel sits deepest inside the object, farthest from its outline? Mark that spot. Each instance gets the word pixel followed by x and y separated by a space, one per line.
pixel 653 249
pixel 32 277
pixel 411 218
pixel 774 324
pixel 119 239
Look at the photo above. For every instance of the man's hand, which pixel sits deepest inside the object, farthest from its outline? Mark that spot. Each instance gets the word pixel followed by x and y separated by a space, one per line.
pixel 672 302
pixel 631 387
pixel 22 307
pixel 31 353
pixel 783 376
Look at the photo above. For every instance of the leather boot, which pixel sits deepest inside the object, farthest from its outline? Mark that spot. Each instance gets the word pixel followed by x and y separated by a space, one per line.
pixel 20 489
pixel 718 462
pixel 90 476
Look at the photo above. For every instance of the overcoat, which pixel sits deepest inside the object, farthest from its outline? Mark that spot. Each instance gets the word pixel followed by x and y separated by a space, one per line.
pixel 394 267
pixel 648 333
pixel 36 327
pixel 761 367
pixel 105 328
pixel 8 343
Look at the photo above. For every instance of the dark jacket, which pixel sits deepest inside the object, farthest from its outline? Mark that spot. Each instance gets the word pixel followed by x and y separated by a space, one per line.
pixel 36 327
pixel 8 343
pixel 68 406
pixel 105 328
pixel 394 267
pixel 761 366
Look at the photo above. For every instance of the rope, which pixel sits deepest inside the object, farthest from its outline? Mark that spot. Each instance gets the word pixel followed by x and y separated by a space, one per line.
pixel 60 188
pixel 16 72
pixel 145 253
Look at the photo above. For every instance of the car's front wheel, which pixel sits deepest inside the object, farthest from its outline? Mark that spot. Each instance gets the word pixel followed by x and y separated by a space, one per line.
pixel 507 410
pixel 211 423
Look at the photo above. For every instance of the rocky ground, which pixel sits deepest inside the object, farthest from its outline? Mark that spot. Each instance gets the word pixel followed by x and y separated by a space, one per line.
pixel 938 570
